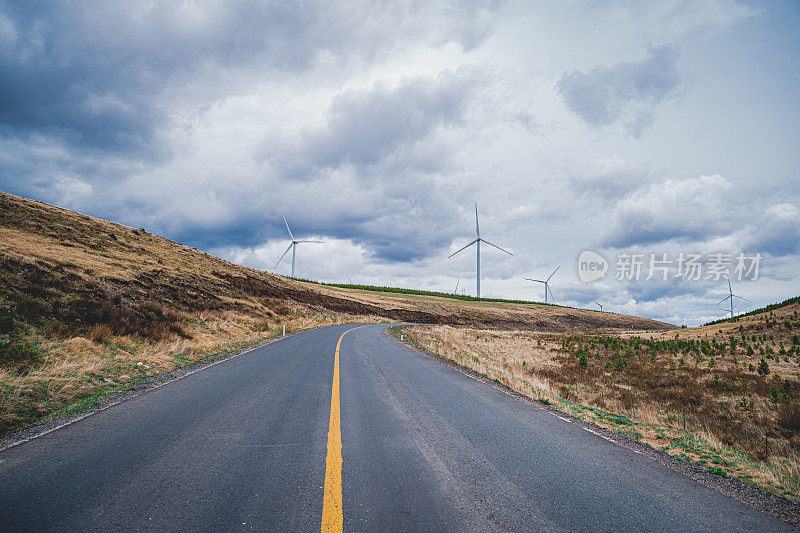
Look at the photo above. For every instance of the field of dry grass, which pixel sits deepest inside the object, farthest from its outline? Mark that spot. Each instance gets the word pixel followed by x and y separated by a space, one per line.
pixel 725 396
pixel 63 374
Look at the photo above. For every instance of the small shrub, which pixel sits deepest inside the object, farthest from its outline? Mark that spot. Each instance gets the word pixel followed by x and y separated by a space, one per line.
pixel 278 306
pixel 99 333
pixel 717 471
pixel 583 360
pixel 789 417
pixel 31 308
pixel 763 367
pixel 18 352
pixel 745 404
pixel 156 332
pixel 6 321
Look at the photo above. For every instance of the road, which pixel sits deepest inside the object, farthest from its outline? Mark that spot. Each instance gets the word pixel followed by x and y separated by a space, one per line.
pixel 245 445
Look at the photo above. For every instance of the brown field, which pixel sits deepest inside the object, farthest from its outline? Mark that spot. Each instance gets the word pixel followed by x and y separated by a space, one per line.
pixel 734 385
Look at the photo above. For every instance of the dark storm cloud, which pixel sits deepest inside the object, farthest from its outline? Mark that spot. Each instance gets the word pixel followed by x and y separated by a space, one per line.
pixel 626 93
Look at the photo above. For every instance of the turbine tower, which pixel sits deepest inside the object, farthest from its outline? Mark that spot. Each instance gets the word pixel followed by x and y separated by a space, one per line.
pixel 547 284
pixel 292 245
pixel 478 242
pixel 599 305
pixel 731 296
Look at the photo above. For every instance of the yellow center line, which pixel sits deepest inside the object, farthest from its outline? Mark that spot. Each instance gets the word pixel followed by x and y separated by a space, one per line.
pixel 332 517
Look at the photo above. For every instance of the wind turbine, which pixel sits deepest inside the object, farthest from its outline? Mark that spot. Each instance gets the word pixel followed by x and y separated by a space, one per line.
pixel 478 242
pixel 731 296
pixel 546 284
pixel 292 245
pixel 599 305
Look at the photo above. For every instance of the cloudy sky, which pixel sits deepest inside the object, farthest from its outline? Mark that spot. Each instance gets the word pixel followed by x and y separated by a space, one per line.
pixel 631 129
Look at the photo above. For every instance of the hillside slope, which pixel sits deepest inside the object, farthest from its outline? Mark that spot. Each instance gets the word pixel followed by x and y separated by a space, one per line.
pixel 73 253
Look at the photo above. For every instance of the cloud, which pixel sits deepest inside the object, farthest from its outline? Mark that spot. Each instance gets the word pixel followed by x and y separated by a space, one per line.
pixel 607 178
pixel 777 232
pixel 370 171
pixel 107 75
pixel 145 104
pixel 364 126
pixel 626 93
pixel 673 210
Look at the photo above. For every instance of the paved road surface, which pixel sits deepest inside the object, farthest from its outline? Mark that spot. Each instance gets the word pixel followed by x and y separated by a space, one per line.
pixel 242 445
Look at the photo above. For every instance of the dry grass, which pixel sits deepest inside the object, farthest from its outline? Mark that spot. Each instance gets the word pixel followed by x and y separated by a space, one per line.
pixel 74 371
pixel 644 388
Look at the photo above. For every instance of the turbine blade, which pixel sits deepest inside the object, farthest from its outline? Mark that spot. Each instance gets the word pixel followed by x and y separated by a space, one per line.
pixel 320 242
pixel 287 226
pixel 730 290
pixel 490 244
pixel 477 229
pixel 462 249
pixel 284 255
pixel 722 300
pixel 742 298
pixel 554 272
pixel 536 280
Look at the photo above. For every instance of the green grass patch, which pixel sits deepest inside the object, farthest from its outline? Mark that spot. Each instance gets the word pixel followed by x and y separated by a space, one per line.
pixel 717 471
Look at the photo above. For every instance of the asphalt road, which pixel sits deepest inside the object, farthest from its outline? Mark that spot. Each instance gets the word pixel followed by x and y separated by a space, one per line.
pixel 242 446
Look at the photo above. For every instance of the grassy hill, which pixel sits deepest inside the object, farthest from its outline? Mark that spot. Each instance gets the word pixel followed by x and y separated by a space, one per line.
pixel 89 306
